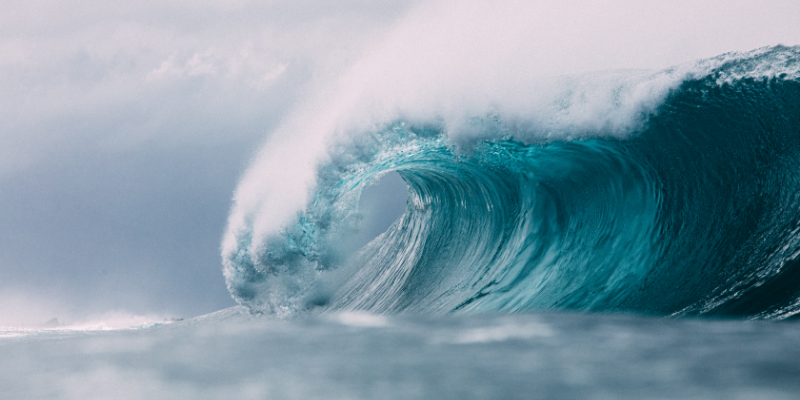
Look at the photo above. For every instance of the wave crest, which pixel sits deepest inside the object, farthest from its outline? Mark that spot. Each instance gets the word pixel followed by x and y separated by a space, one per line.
pixel 688 209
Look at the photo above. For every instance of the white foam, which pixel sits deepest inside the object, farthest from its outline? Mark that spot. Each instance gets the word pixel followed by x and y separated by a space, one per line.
pixel 363 320
pixel 500 332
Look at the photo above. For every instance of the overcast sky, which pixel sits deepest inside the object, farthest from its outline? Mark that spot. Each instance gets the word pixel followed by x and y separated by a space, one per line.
pixel 125 126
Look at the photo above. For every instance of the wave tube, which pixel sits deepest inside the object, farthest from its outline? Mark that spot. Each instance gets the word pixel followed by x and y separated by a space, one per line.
pixel 692 207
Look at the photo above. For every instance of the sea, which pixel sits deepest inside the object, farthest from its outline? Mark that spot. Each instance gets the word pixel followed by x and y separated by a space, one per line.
pixel 622 234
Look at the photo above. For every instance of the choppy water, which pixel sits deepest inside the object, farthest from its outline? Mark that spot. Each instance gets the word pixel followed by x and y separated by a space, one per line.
pixel 233 355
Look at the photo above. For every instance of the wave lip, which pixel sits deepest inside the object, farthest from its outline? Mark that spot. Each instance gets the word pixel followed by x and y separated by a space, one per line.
pixel 687 208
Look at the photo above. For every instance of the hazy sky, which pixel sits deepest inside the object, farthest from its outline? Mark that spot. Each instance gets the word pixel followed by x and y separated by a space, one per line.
pixel 126 126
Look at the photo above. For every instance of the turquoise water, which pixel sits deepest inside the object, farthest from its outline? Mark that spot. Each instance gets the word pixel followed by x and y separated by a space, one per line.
pixel 692 210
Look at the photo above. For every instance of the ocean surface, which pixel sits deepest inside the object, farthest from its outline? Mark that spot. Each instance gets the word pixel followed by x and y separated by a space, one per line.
pixel 619 234
pixel 234 355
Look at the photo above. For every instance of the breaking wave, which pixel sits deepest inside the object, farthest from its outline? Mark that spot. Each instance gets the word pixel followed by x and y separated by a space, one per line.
pixel 674 192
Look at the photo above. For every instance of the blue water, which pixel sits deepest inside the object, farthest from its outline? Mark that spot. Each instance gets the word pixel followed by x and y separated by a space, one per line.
pixel 689 210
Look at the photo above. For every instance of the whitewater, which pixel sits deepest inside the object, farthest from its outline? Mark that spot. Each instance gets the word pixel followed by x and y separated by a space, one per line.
pixel 552 220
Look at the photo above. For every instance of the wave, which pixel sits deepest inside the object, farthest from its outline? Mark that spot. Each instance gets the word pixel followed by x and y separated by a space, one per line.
pixel 666 193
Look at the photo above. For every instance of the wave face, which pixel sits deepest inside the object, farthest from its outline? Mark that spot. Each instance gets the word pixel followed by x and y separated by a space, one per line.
pixel 694 211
